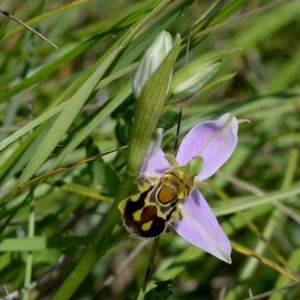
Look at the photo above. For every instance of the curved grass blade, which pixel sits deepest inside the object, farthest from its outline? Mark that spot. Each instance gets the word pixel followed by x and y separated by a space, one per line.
pixel 23 154
pixel 69 113
pixel 51 67
pixel 222 15
pixel 274 292
pixel 95 119
pixel 241 249
pixel 127 56
pixel 58 242
pixel 78 189
pixel 77 50
pixel 239 18
pixel 140 44
pixel 283 280
pixel 59 108
pixel 38 178
pixel 43 16
pixel 256 201
pixel 192 254
pixel 65 119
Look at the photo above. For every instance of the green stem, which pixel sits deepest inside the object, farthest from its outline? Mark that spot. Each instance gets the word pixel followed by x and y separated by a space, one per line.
pixel 99 246
pixel 149 268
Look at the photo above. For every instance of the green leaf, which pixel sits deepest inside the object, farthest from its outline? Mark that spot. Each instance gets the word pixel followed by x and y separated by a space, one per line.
pixel 83 190
pixel 113 180
pixel 64 120
pixel 162 291
pixel 91 123
pixel 24 153
pixel 43 16
pixel 192 254
pixel 282 280
pixel 43 242
pixel 222 15
pixel 51 67
pixel 127 298
pixel 50 113
pixel 256 201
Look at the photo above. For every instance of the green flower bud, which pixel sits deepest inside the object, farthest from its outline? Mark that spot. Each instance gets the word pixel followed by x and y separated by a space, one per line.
pixel 193 76
pixel 151 60
pixel 206 89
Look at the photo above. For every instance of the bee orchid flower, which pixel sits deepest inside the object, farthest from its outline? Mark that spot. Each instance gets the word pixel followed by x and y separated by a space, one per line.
pixel 170 196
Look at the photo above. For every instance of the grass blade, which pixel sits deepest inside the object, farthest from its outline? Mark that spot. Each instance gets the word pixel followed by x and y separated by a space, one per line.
pixel 64 120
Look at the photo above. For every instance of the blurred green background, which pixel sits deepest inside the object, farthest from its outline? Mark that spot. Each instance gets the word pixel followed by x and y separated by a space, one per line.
pixel 70 206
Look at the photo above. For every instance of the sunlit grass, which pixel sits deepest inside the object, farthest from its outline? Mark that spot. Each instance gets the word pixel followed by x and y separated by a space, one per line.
pixel 41 86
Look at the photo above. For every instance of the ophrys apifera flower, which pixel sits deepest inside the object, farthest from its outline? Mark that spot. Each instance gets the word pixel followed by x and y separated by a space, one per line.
pixel 170 196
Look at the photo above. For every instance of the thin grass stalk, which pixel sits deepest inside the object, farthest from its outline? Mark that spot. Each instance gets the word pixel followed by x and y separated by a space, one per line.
pixel 153 251
pixel 29 259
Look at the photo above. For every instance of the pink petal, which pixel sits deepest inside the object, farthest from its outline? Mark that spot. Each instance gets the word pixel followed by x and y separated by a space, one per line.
pixel 156 165
pixel 201 228
pixel 154 146
pixel 215 141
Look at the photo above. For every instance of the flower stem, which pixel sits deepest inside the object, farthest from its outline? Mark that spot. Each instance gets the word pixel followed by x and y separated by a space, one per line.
pixel 149 268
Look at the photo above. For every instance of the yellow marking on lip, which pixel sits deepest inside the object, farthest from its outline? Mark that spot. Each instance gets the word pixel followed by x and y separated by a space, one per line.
pixel 122 206
pixel 146 226
pixel 137 216
pixel 180 193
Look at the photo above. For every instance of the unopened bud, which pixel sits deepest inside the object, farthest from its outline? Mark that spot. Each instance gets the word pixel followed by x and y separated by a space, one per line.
pixel 151 60
pixel 193 76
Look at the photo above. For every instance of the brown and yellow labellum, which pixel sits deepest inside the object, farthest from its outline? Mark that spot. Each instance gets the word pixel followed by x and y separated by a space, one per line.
pixel 154 210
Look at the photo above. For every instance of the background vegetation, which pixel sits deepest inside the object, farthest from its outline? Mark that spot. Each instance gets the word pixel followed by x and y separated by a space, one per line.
pixel 47 226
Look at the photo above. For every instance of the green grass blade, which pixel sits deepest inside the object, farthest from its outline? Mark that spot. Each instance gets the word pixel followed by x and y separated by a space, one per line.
pixel 239 18
pixel 257 201
pixel 23 154
pixel 4 25
pixel 96 119
pixel 64 120
pixel 283 280
pixel 43 243
pixel 50 68
pixel 43 16
pixel 59 108
pixel 140 44
pixel 78 189
pixel 192 254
